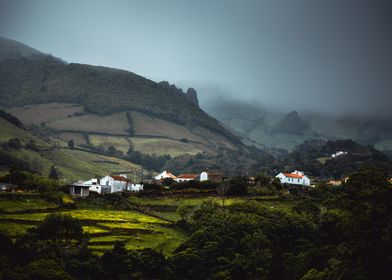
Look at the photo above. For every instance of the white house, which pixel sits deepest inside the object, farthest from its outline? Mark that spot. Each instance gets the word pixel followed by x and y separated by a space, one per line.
pixel 186 177
pixel 164 175
pixel 114 183
pixel 294 178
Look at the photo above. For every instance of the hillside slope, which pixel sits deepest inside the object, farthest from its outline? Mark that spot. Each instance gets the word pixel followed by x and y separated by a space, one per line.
pixel 106 94
pixel 39 155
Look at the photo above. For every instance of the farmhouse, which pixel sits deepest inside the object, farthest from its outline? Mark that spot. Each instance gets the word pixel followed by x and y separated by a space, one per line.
pixel 186 177
pixel 164 175
pixel 79 189
pixel 294 178
pixel 114 183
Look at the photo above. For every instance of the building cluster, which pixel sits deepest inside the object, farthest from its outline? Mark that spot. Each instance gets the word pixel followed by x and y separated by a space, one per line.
pixel 338 154
pixel 107 184
pixel 203 176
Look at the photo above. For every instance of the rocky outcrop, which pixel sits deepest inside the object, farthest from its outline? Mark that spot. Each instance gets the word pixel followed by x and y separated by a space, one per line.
pixel 191 94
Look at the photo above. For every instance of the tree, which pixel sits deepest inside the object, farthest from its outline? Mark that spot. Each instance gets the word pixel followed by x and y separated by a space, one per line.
pixel 222 190
pixel 53 174
pixel 61 229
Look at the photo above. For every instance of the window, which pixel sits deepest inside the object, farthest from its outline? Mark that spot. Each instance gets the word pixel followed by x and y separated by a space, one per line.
pixel 77 190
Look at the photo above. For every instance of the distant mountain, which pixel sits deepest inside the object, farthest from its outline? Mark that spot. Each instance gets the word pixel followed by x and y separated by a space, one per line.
pixel 291 124
pixel 272 129
pixel 80 99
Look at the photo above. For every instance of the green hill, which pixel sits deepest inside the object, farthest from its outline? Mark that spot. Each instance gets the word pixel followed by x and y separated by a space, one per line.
pixel 101 91
pixel 39 155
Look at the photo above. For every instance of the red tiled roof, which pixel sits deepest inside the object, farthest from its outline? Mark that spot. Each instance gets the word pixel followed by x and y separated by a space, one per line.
pixel 119 178
pixel 171 175
pixel 187 176
pixel 293 175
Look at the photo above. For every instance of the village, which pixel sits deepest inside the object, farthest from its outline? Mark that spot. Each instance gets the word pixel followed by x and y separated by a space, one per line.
pixel 115 183
pixel 120 183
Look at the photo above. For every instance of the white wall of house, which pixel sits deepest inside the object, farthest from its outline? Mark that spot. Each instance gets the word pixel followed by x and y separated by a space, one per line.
pixel 106 181
pixel 115 186
pixel 135 187
pixel 183 179
pixel 203 176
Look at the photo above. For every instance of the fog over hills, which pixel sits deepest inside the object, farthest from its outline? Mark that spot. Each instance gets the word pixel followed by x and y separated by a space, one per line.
pixel 329 57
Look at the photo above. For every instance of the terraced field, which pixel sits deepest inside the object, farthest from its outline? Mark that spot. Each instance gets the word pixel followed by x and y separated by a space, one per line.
pixel 105 227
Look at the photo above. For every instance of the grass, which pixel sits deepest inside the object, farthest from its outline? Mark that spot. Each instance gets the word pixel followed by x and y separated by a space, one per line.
pixel 105 227
pixel 147 125
pixel 47 112
pixel 7 205
pixel 120 143
pixel 152 135
pixel 161 146
pixel 9 131
pixel 75 164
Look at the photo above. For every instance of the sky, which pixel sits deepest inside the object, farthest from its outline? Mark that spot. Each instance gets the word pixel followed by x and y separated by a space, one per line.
pixel 331 56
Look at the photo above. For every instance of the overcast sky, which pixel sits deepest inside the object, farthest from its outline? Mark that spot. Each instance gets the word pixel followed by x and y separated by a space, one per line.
pixel 331 55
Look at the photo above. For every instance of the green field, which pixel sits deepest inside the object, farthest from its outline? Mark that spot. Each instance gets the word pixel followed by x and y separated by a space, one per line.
pixel 105 227
pixel 153 226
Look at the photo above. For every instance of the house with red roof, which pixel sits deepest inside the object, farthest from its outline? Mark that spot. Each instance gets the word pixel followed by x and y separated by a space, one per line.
pixel 186 177
pixel 164 175
pixel 114 183
pixel 294 178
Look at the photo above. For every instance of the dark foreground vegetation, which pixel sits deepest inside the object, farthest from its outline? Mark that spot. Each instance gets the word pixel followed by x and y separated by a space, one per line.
pixel 332 233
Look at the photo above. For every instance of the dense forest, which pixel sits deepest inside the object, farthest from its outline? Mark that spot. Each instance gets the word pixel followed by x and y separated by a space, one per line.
pixel 332 233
